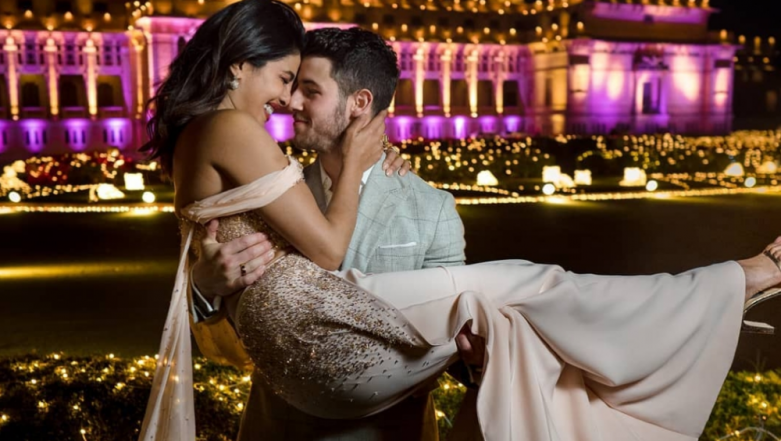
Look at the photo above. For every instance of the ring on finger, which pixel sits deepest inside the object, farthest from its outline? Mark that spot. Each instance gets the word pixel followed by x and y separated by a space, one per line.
pixel 386 145
pixel 392 147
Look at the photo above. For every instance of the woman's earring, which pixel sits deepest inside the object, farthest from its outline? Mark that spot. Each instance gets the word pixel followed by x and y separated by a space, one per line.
pixel 234 83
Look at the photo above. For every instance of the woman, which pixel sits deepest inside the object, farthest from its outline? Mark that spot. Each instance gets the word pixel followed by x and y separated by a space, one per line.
pixel 568 356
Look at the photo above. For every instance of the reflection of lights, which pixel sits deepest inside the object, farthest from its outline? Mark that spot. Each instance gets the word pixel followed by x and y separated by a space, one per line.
pixel 92 208
pixel 623 196
pixel 548 189
pixel 751 182
pixel 557 200
pixel 140 212
pixel 651 185
pixel 148 197
pixel 14 197
pixel 87 269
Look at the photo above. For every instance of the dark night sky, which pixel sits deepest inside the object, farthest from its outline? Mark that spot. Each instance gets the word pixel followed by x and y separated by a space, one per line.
pixel 748 17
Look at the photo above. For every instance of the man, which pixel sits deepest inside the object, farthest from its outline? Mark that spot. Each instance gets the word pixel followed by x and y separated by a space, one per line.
pixel 403 224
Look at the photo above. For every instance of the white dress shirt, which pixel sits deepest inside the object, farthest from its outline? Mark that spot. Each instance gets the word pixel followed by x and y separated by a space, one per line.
pixel 328 183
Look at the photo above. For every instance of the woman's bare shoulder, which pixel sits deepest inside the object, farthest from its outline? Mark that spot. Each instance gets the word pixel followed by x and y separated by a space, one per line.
pixel 235 144
pixel 214 130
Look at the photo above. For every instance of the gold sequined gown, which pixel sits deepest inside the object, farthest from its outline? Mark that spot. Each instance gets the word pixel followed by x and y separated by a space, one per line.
pixel 569 357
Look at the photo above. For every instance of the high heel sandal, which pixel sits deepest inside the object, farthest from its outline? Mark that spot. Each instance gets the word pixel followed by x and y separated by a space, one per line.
pixel 760 297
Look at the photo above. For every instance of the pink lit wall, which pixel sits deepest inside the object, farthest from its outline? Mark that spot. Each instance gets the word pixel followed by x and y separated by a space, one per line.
pixel 585 86
pixel 639 13
pixel 633 87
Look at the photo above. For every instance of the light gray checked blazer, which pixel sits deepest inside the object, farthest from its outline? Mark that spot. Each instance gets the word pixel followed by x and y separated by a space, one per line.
pixel 403 224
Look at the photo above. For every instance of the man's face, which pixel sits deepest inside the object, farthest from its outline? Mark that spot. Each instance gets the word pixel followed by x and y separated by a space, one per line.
pixel 319 112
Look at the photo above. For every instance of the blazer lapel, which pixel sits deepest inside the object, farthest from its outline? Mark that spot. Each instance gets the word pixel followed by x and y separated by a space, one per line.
pixel 380 198
pixel 314 181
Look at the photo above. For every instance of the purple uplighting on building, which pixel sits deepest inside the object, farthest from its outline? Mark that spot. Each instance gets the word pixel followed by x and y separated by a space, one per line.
pixel 580 67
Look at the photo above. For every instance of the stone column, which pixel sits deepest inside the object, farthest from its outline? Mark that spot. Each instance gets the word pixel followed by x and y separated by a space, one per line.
pixel 500 62
pixel 420 75
pixel 137 73
pixel 472 59
pixel 447 59
pixel 92 77
pixel 11 51
pixel 53 77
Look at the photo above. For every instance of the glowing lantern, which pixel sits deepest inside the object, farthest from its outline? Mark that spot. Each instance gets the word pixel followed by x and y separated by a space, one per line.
pixel 634 177
pixel 14 197
pixel 651 185
pixel 768 168
pixel 548 189
pixel 148 197
pixel 582 177
pixel 735 170
pixel 750 182
pixel 134 181
pixel 108 191
pixel 551 174
pixel 565 181
pixel 486 178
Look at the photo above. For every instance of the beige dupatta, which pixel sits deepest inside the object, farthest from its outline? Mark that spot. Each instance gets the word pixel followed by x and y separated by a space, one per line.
pixel 170 414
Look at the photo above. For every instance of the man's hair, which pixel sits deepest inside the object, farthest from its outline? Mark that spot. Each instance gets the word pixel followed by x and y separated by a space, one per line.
pixel 359 60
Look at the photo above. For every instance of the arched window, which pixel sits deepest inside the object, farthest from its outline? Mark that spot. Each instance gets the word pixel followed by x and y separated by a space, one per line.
pixel 69 95
pixel 485 93
pixel 510 93
pixel 105 95
pixel 431 93
pixel 405 96
pixel 3 94
pixel 31 95
pixel 459 93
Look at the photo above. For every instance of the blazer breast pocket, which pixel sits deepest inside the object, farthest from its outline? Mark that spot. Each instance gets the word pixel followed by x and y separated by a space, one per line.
pixel 400 250
pixel 398 245
pixel 395 257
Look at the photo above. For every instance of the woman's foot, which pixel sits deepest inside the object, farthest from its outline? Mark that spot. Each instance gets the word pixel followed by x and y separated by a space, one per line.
pixel 762 272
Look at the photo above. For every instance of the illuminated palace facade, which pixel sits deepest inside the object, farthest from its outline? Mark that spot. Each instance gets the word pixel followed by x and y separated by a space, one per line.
pixel 75 75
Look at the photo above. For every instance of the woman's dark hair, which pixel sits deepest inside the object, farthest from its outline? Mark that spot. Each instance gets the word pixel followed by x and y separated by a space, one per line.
pixel 248 31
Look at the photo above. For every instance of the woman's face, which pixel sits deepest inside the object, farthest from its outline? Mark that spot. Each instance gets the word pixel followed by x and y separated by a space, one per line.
pixel 263 90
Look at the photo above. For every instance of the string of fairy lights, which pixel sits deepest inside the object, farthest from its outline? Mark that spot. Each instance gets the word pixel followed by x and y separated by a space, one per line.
pixel 754 398
pixel 478 171
pixel 227 386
